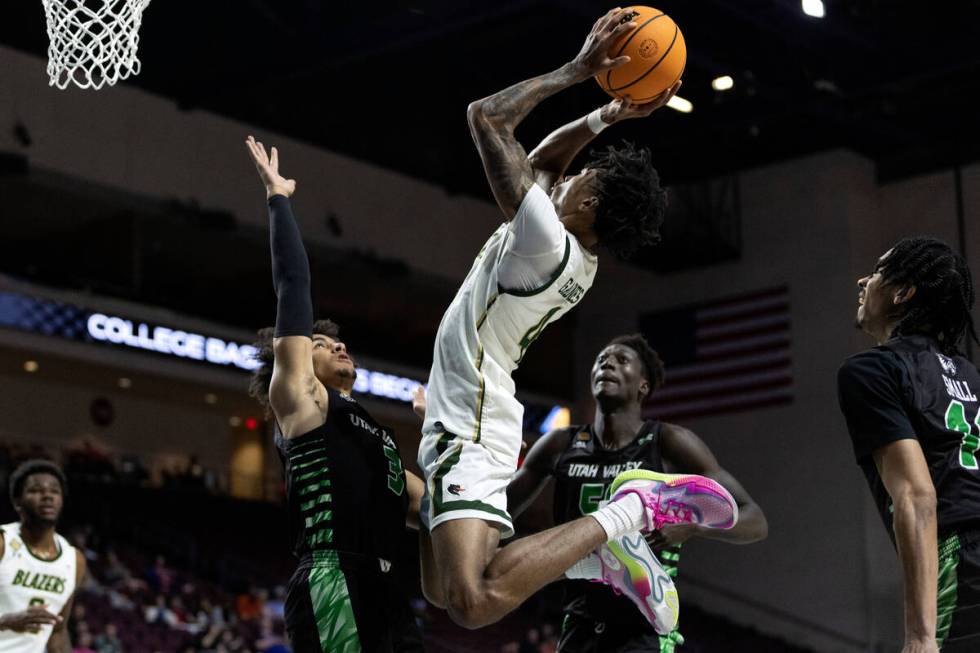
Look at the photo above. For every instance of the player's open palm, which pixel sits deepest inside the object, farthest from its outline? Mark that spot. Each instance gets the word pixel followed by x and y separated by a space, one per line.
pixel 29 621
pixel 268 168
pixel 623 108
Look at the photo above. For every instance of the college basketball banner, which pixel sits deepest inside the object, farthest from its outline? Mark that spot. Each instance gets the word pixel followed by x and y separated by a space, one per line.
pixel 722 356
pixel 70 322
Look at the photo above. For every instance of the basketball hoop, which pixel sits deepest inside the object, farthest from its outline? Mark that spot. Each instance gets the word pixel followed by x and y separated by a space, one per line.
pixel 92 43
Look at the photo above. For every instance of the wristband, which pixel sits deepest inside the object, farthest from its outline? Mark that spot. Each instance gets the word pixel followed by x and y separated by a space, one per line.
pixel 595 122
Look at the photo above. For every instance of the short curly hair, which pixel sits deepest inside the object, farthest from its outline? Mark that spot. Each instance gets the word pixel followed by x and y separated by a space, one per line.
pixel 34 466
pixel 258 387
pixel 632 204
pixel 653 366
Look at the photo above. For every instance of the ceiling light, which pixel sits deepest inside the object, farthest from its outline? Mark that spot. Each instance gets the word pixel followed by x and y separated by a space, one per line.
pixel 723 83
pixel 210 398
pixel 235 421
pixel 677 103
pixel 125 383
pixel 30 366
pixel 813 8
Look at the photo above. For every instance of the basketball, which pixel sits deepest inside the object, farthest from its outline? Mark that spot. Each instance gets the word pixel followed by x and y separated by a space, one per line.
pixel 657 57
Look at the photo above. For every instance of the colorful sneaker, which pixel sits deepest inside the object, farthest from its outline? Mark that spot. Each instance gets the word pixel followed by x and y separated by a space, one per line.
pixel 678 499
pixel 632 569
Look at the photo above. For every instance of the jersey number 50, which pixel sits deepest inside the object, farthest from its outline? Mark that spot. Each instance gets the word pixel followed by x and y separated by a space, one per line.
pixel 956 421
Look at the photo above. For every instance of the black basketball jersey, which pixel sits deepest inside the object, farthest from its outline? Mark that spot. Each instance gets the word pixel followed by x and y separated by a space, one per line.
pixel 583 474
pixel 907 388
pixel 345 486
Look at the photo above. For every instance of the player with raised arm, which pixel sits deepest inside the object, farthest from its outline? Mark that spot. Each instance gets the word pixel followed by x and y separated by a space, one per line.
pixel 39 569
pixel 347 495
pixel 530 272
pixel 583 459
pixel 914 419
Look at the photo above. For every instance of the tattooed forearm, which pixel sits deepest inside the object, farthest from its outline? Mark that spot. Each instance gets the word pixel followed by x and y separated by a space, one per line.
pixel 504 162
pixel 507 108
pixel 492 123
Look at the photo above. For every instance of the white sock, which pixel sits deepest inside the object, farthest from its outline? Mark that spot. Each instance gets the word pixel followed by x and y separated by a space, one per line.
pixel 588 568
pixel 622 516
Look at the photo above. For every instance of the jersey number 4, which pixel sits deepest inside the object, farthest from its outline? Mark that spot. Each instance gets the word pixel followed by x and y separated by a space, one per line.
pixel 956 421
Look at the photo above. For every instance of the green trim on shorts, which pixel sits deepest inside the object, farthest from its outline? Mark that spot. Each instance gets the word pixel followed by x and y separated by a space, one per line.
pixel 440 474
pixel 949 560
pixel 440 507
pixel 451 506
pixel 333 610
pixel 481 395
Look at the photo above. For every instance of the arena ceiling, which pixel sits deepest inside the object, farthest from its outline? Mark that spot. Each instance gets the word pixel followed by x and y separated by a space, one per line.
pixel 389 81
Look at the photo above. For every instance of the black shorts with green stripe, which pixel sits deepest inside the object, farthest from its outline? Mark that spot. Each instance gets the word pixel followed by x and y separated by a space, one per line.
pixel 958 601
pixel 345 603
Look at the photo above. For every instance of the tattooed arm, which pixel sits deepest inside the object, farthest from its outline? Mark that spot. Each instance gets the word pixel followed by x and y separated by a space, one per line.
pixel 493 119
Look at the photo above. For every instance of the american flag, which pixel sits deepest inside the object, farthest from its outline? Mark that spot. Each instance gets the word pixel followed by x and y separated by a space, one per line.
pixel 722 356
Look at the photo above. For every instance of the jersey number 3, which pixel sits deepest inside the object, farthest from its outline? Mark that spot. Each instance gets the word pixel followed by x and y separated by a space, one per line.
pixel 956 421
pixel 396 476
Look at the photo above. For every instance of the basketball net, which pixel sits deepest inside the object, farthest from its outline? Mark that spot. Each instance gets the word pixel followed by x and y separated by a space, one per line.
pixel 92 43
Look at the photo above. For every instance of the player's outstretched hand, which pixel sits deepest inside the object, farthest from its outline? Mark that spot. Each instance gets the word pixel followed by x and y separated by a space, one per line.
pixel 624 109
pixel 30 620
pixel 594 56
pixel 268 167
pixel 418 402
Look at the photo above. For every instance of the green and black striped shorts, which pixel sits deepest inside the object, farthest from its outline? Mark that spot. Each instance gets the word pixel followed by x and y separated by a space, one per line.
pixel 958 601
pixel 345 603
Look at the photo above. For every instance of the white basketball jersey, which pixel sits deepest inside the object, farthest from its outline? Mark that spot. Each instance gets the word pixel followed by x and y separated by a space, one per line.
pixel 483 337
pixel 26 580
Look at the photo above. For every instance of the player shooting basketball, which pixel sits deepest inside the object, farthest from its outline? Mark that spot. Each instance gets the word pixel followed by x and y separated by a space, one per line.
pixel 531 271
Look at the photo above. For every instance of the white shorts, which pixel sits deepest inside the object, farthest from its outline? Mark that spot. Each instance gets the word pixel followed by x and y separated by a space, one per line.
pixel 466 479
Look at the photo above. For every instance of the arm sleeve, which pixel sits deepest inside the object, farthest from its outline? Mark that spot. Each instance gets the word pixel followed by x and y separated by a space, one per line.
pixel 290 272
pixel 870 389
pixel 538 246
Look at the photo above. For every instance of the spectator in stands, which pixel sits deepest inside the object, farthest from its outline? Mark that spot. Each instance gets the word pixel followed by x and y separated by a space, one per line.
pixel 84 644
pixel 159 576
pixel 549 641
pixel 108 641
pixel 249 605
pixel 114 572
pixel 531 641
pixel 215 613
pixel 159 612
pixel 180 614
pixel 275 607
pixel 77 619
pixel 270 638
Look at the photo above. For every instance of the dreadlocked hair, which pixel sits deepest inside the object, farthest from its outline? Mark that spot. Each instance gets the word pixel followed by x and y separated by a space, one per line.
pixel 30 467
pixel 258 387
pixel 944 293
pixel 631 202
pixel 653 366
